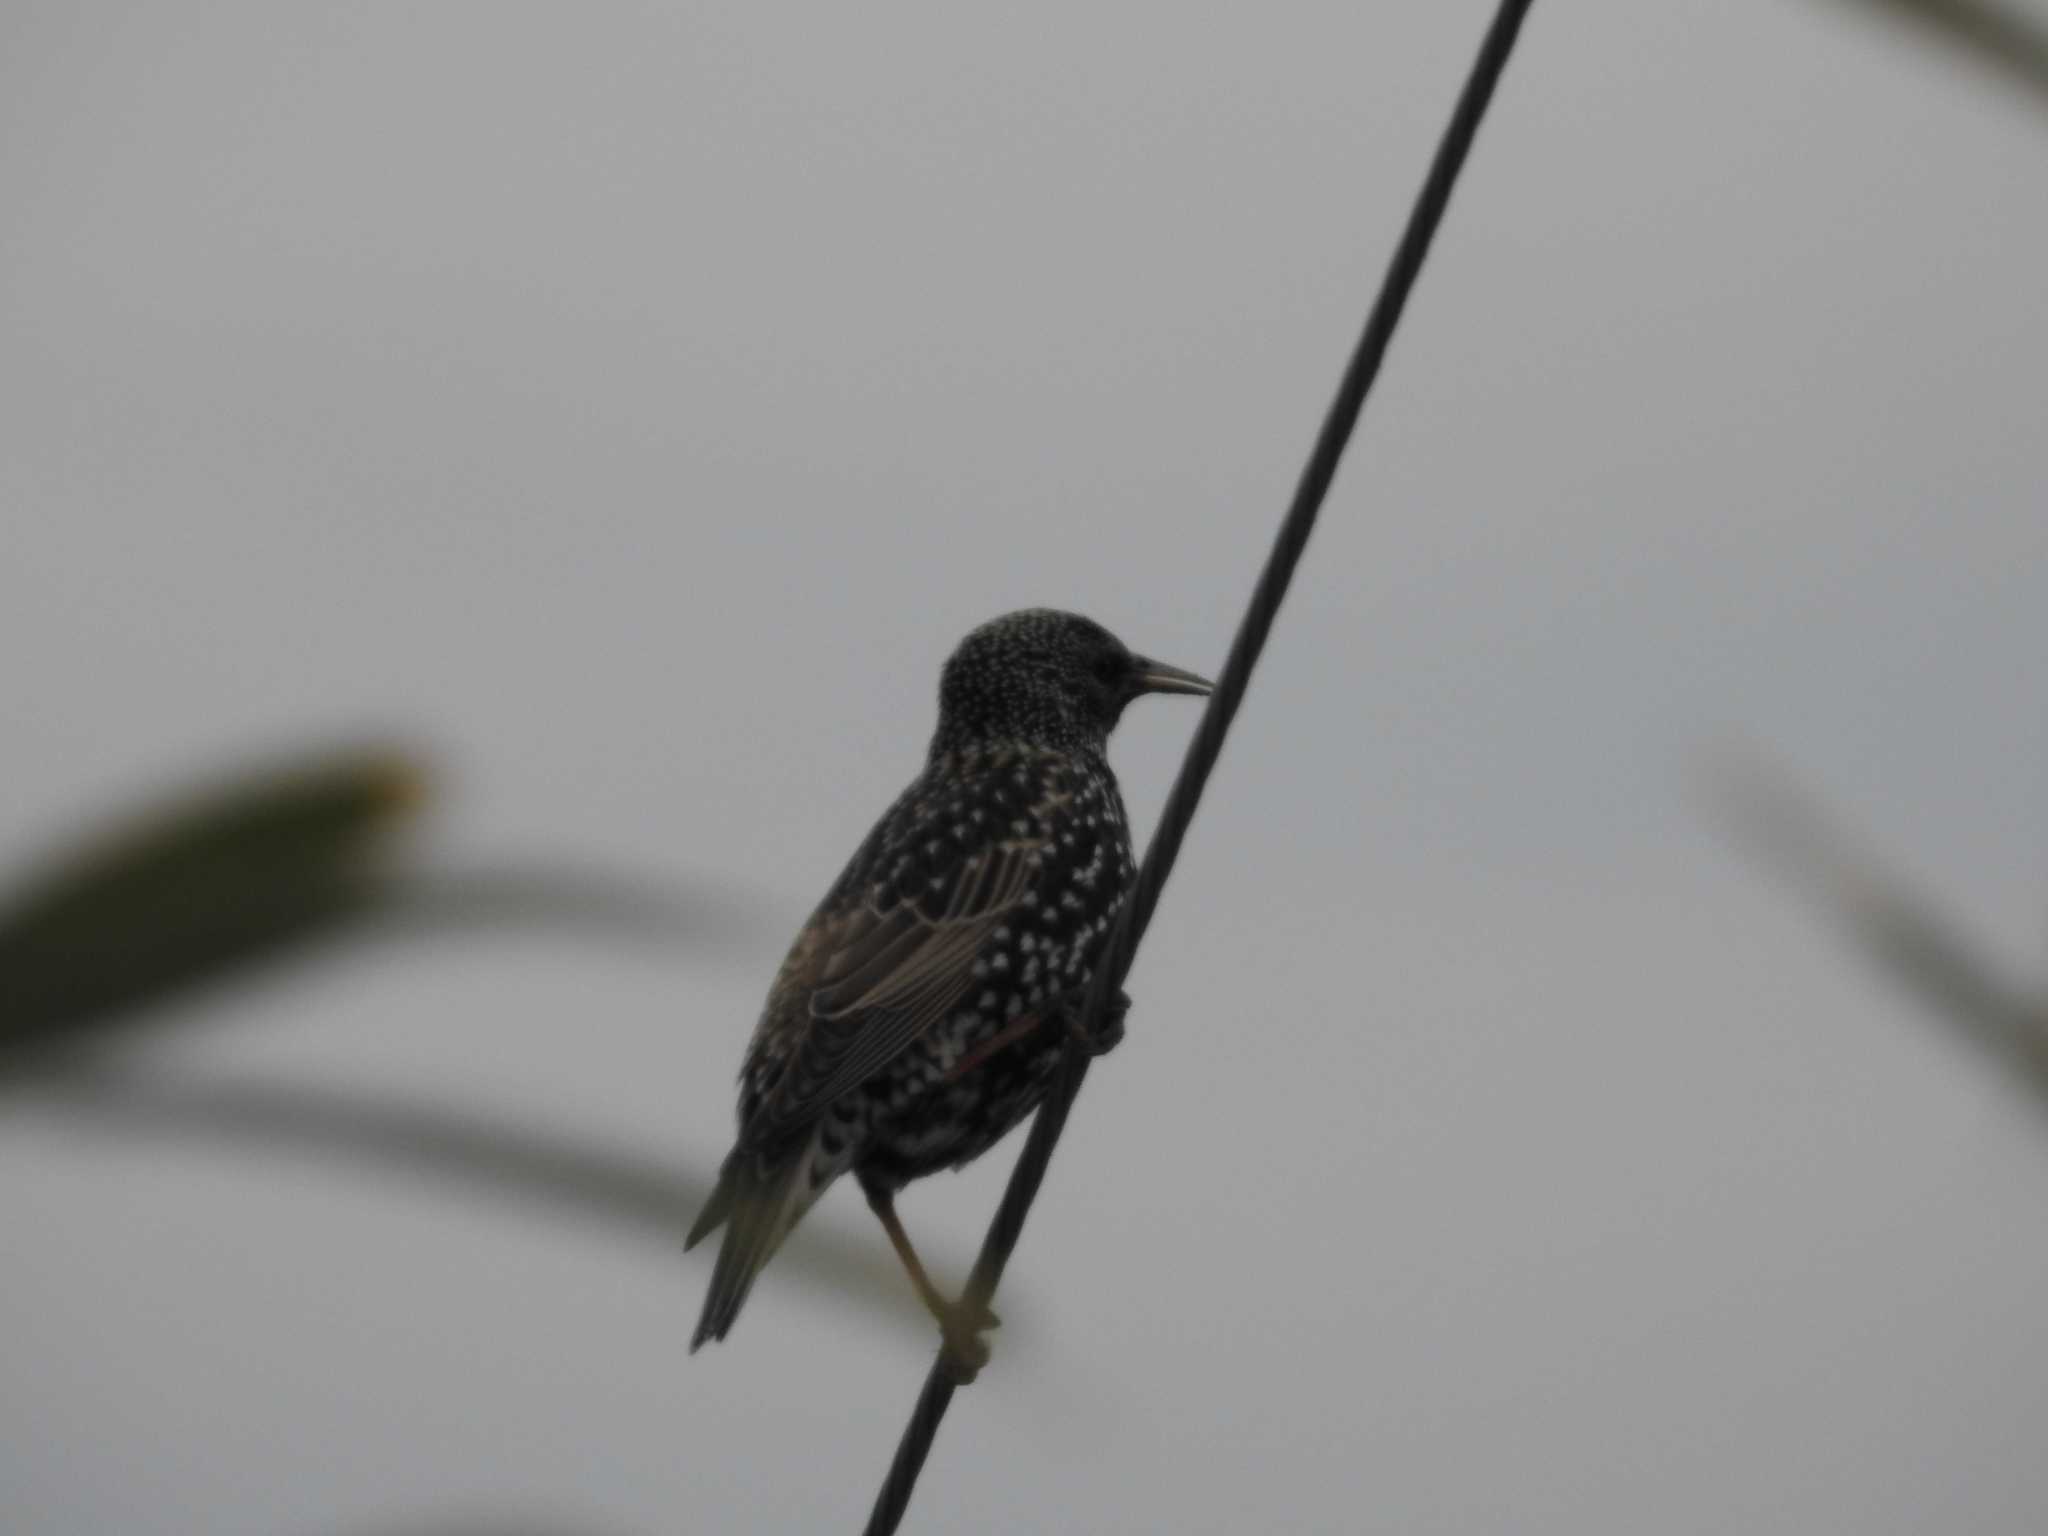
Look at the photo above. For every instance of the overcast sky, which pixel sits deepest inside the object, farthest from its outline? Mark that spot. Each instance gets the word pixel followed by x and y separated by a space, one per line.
pixel 632 404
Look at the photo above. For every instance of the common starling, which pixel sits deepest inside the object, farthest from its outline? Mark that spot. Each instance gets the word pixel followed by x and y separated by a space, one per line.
pixel 923 1007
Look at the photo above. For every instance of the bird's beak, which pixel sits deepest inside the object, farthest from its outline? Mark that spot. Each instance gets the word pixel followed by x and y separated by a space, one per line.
pixel 1148 676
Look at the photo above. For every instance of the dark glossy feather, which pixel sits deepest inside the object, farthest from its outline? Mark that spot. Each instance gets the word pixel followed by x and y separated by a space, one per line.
pixel 863 984
pixel 760 1205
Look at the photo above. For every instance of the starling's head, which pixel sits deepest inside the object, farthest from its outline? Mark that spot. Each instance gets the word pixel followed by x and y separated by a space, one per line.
pixel 1046 678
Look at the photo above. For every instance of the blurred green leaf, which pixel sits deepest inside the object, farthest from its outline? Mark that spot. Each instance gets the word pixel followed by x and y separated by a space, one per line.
pixel 577 1181
pixel 564 896
pixel 1897 928
pixel 255 871
pixel 219 882
pixel 259 870
pixel 2004 35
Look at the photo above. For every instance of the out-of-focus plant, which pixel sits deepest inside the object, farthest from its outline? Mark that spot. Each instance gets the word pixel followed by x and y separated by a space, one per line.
pixel 2007 36
pixel 270 864
pixel 1899 929
pixel 267 867
pixel 221 882
pixel 571 1178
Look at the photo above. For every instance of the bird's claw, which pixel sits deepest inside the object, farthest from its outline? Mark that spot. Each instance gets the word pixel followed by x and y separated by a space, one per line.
pixel 965 1350
pixel 1108 1032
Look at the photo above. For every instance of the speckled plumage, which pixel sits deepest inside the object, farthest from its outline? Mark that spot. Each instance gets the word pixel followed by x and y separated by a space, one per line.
pixel 921 1010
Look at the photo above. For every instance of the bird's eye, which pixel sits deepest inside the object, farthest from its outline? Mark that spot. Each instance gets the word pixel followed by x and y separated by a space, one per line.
pixel 1109 668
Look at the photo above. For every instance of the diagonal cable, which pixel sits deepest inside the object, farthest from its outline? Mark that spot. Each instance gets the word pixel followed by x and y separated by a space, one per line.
pixel 1202 753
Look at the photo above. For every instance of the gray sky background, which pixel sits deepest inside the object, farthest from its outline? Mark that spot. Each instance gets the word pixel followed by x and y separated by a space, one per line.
pixel 634 403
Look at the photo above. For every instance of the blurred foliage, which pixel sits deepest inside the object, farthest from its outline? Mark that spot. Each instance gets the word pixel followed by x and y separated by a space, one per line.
pixel 219 883
pixel 2008 37
pixel 1900 930
pixel 473 1154
pixel 263 869
pixel 266 867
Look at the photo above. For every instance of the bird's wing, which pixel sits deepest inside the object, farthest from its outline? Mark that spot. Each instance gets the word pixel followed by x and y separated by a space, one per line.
pixel 865 982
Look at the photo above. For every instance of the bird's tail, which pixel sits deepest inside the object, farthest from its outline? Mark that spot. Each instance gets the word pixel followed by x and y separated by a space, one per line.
pixel 758 1200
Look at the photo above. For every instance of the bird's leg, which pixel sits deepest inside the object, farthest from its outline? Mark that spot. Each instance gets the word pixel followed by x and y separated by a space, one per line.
pixel 961 1329
pixel 1109 1029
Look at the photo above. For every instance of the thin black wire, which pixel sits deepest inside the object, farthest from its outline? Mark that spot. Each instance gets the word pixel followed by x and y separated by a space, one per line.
pixel 1203 751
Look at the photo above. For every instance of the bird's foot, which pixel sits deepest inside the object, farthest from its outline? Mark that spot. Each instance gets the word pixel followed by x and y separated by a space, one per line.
pixel 1108 1032
pixel 965 1350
